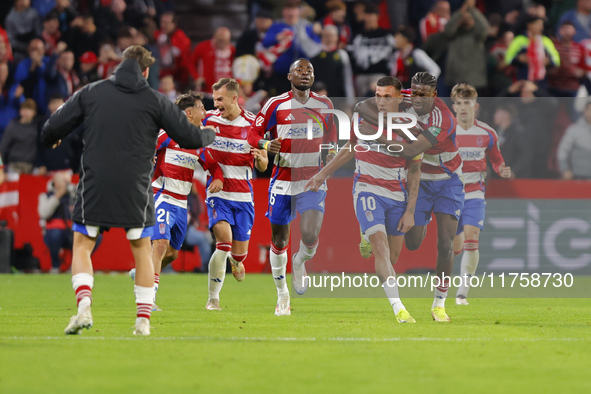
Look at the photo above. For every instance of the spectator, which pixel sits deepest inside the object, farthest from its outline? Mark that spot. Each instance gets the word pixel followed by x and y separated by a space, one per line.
pixel 55 211
pixel 574 150
pixel 332 66
pixel 43 6
pixel 60 158
pixel 372 52
pixel 88 68
pixel 435 20
pixel 22 24
pixel 357 17
pixel 31 74
pixel 513 141
pixel 65 13
pixel 107 60
pixel 466 31
pixel 6 54
pixel 251 41
pixel 500 74
pixel 408 60
pixel 212 60
pixel 51 33
pixel 126 37
pixel 110 17
pixel 532 52
pixel 537 113
pixel 19 142
pixel 167 88
pixel 580 18
pixel 337 16
pixel 174 47
pixel 9 103
pixel 84 36
pixel 287 40
pixel 62 79
pixel 564 81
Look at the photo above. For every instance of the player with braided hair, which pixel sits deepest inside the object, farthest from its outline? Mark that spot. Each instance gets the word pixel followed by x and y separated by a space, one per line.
pixel 442 186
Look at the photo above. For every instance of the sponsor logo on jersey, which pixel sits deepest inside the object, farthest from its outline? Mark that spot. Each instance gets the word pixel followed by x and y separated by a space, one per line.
pixel 434 130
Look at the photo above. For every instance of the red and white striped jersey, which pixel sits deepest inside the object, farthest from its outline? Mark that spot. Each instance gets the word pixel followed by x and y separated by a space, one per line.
pixel 173 173
pixel 379 172
pixel 442 160
pixel 299 158
pixel 231 151
pixel 476 144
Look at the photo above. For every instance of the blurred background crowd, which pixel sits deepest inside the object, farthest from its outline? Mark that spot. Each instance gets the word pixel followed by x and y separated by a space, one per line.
pixel 536 51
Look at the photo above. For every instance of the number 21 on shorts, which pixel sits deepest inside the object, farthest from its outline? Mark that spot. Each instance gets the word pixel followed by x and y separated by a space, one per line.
pixel 160 216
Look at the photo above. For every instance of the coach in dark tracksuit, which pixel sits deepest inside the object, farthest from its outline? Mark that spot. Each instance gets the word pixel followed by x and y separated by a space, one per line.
pixel 122 117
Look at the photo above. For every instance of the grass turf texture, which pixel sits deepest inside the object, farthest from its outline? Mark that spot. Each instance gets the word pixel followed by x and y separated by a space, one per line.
pixel 327 345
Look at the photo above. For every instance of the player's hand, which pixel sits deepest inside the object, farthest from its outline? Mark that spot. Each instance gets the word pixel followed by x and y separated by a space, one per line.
pixel 275 146
pixel 154 159
pixel 315 183
pixel 568 175
pixel 58 143
pixel 407 221
pixel 215 186
pixel 256 153
pixel 330 156
pixel 505 171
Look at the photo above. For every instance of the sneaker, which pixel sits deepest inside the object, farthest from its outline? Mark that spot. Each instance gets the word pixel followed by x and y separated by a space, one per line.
pixel 404 317
pixel 156 308
pixel 238 271
pixel 78 322
pixel 364 247
pixel 461 300
pixel 132 273
pixel 438 314
pixel 298 277
pixel 142 327
pixel 283 308
pixel 213 305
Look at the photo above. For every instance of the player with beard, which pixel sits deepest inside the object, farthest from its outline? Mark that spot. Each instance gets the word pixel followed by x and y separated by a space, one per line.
pixel 385 193
pixel 297 159
pixel 442 186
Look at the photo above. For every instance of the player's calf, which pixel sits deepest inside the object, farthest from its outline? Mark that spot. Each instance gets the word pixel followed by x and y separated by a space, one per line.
pixel 237 266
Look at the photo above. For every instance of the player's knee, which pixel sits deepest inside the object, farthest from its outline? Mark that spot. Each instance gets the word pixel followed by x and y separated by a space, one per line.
pixel 412 243
pixel 172 255
pixel 445 247
pixel 279 242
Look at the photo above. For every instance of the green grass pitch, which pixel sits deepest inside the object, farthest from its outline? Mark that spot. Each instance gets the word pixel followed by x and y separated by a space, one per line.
pixel 327 345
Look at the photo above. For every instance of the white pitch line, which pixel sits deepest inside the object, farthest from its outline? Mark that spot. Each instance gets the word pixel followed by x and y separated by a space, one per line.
pixel 292 339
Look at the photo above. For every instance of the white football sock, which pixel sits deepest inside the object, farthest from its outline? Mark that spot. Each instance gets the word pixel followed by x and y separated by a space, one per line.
pixel 391 290
pixel 217 269
pixel 83 295
pixel 278 258
pixel 469 264
pixel 305 253
pixel 441 294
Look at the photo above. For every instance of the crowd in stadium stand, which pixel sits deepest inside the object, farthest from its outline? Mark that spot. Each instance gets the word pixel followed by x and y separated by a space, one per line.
pixel 532 50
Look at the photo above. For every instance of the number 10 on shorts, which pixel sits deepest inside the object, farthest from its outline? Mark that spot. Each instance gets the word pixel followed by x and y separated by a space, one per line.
pixel 368 203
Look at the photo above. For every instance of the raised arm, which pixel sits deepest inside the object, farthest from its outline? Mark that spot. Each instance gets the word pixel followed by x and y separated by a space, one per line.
pixel 176 124
pixel 65 120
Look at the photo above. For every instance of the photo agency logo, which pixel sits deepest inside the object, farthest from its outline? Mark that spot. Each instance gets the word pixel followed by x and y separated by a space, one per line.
pixel 400 121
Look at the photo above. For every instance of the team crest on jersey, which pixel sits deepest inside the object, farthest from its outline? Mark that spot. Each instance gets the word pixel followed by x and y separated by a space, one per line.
pixel 369 216
pixel 162 228
pixel 479 140
pixel 244 133
pixel 215 214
